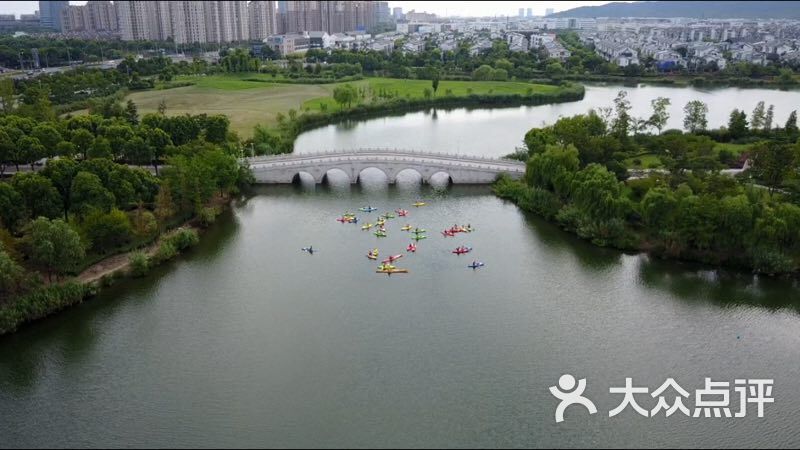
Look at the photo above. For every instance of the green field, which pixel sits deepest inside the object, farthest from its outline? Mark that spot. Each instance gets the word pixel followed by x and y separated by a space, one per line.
pixel 249 103
pixel 402 88
pixel 652 161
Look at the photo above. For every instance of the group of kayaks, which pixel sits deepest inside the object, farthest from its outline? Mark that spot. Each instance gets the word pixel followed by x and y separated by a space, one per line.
pixel 417 234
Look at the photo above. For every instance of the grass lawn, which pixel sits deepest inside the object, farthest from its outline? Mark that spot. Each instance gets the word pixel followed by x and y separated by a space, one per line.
pixel 250 103
pixel 648 161
pixel 403 88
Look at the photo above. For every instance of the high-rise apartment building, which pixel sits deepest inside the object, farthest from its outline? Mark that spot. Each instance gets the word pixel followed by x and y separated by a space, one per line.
pixel 95 16
pixel 328 16
pixel 184 21
pixel 50 13
pixel 262 19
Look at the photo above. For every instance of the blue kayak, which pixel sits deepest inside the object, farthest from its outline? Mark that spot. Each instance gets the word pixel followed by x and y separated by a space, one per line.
pixel 475 265
pixel 367 209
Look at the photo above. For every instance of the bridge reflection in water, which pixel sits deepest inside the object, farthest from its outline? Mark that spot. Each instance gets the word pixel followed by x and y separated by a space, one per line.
pixel 460 169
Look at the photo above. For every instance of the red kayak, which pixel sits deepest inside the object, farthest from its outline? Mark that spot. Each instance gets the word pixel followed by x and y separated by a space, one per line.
pixel 402 212
pixel 446 233
pixel 392 258
pixel 462 250
pixel 411 248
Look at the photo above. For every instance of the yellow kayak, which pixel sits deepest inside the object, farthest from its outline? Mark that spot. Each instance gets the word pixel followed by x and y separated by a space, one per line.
pixel 419 204
pixel 392 271
pixel 406 228
pixel 367 226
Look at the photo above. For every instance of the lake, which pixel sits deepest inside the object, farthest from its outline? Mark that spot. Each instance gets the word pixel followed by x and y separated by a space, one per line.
pixel 249 342
pixel 497 132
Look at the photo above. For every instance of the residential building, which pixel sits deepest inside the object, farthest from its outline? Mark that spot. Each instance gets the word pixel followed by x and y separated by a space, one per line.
pixel 50 13
pixel 262 19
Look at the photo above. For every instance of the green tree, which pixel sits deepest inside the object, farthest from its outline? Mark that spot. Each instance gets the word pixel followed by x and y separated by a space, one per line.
pixel 53 246
pixel 11 207
pixel 39 197
pixel 769 117
pixel 695 116
pixel 83 140
pixel 758 117
pixel 660 115
pixel 791 123
pixel 737 124
pixel 621 124
pixel 107 230
pixel 11 274
pixel 345 95
pixel 89 195
pixel 773 162
pixel 131 113
pixel 62 172
pixel 435 85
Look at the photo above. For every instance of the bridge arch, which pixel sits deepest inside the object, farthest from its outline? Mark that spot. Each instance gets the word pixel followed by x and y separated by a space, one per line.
pixel 297 178
pixel 409 171
pixel 326 171
pixel 387 175
pixel 440 176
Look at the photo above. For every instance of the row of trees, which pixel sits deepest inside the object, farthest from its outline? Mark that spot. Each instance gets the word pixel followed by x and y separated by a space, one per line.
pixel 86 203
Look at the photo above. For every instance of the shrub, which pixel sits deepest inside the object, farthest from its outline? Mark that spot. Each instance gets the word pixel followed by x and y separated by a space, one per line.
pixel 140 264
pixel 165 252
pixel 208 216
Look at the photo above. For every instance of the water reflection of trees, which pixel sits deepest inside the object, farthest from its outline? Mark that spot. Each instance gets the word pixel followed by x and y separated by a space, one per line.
pixel 591 257
pixel 68 339
pixel 695 283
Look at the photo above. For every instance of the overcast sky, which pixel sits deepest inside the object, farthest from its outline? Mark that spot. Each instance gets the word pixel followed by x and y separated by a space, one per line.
pixel 461 8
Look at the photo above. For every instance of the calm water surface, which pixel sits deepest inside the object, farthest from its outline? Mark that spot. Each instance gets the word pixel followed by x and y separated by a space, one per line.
pixel 497 132
pixel 247 341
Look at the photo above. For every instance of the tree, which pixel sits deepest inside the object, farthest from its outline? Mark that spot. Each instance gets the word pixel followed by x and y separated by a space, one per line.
pixel 100 148
pixel 89 195
pixel 768 118
pixel 11 209
pixel 48 136
pixel 11 274
pixel 83 140
pixel 758 116
pixel 53 246
pixel 791 123
pixel 483 73
pixel 695 116
pixel 345 95
pixel 622 121
pixel 6 95
pixel 39 197
pixel 737 124
pixel 772 163
pixel 61 172
pixel 158 140
pixel 164 206
pixel 107 230
pixel 131 113
pixel 435 85
pixel 162 107
pixel 136 151
pixel 30 151
pixel 660 115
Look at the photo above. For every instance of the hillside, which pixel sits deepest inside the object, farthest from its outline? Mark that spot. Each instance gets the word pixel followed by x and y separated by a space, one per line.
pixel 712 9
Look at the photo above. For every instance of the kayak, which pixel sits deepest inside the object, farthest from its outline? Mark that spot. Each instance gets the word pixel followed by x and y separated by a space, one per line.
pixel 475 265
pixel 462 250
pixel 310 250
pixel 380 222
pixel 385 266
pixel 402 212
pixel 419 237
pixel 411 248
pixel 418 231
pixel 391 259
pixel 380 233
pixel 367 226
pixel 447 233
pixel 372 254
pixel 388 216
pixel 367 209
pixel 418 204
pixel 406 228
pixel 392 271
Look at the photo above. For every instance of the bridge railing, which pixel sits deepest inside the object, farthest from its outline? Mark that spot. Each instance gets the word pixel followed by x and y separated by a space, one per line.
pixel 383 151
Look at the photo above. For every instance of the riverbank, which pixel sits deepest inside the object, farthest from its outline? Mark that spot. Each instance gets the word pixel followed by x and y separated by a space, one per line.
pixel 280 139
pixel 53 298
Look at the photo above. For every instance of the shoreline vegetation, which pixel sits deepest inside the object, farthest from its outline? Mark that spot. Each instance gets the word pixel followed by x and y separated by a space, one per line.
pixel 689 210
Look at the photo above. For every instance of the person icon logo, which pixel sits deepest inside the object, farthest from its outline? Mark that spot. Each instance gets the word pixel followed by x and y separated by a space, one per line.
pixel 566 384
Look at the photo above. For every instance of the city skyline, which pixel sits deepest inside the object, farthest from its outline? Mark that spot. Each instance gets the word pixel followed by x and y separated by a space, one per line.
pixel 442 8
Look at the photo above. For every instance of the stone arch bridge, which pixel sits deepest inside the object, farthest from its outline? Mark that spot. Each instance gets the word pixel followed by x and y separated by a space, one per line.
pixel 460 169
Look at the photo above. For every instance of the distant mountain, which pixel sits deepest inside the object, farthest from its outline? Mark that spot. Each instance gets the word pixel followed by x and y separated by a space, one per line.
pixel 695 9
